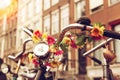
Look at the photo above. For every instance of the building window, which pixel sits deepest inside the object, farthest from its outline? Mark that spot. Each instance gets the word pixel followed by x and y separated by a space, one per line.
pixel 80 9
pixel 98 53
pixel 38 6
pixel 95 5
pixel 114 1
pixel 6 42
pixel 55 22
pixel 15 22
pixel 10 39
pixel 30 10
pixel 47 24
pixel 1 26
pixel 46 4
pixel 23 36
pixel 64 16
pixel 117 44
pixel 54 2
pixel 14 38
pixel 10 24
pixel 22 14
pixel 37 26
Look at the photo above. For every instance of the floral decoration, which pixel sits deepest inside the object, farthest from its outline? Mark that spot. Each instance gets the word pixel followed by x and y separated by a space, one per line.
pixel 54 50
pixel 70 40
pixel 38 36
pixel 97 31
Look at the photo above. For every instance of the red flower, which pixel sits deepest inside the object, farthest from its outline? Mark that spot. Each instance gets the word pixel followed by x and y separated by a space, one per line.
pixel 97 38
pixel 59 52
pixel 73 45
pixel 47 64
pixel 35 61
pixel 38 33
pixel 50 40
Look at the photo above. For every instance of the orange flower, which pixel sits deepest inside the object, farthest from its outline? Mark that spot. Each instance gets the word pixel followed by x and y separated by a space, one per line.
pixel 54 64
pixel 97 31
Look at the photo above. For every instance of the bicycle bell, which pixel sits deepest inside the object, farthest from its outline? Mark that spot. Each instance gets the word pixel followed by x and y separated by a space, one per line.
pixel 41 50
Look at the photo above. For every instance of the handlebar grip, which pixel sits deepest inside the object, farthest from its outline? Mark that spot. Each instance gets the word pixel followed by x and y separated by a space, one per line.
pixel 28 31
pixel 111 34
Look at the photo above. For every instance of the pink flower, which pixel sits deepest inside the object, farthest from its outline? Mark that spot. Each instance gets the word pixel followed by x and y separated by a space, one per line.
pixel 50 40
pixel 59 52
pixel 73 45
pixel 47 64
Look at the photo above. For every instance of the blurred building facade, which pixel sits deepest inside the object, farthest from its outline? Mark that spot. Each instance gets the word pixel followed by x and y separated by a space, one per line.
pixel 52 16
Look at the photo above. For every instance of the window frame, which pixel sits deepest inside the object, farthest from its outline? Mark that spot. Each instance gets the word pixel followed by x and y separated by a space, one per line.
pixel 64 19
pixel 46 19
pixel 98 6
pixel 55 27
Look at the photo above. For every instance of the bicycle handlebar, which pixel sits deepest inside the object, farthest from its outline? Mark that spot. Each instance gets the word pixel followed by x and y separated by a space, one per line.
pixel 28 31
pixel 72 26
pixel 106 33
pixel 21 53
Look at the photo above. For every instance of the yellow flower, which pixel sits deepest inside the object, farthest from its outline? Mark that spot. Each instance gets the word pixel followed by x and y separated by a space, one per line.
pixel 30 56
pixel 52 48
pixel 44 36
pixel 66 40
pixel 35 39
pixel 97 31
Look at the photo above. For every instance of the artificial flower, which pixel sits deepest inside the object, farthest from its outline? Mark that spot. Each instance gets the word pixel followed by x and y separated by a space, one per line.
pixel 58 52
pixel 38 33
pixel 73 45
pixel 37 36
pixel 97 31
pixel 35 61
pixel 50 40
pixel 54 64
pixel 66 40
pixel 44 36
pixel 47 64
pixel 30 56
pixel 35 39
pixel 53 48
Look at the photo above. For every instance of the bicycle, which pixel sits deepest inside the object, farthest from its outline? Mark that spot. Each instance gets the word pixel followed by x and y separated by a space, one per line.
pixel 40 75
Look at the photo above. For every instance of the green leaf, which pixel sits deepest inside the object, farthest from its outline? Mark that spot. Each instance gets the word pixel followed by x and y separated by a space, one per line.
pixel 64 47
pixel 82 39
